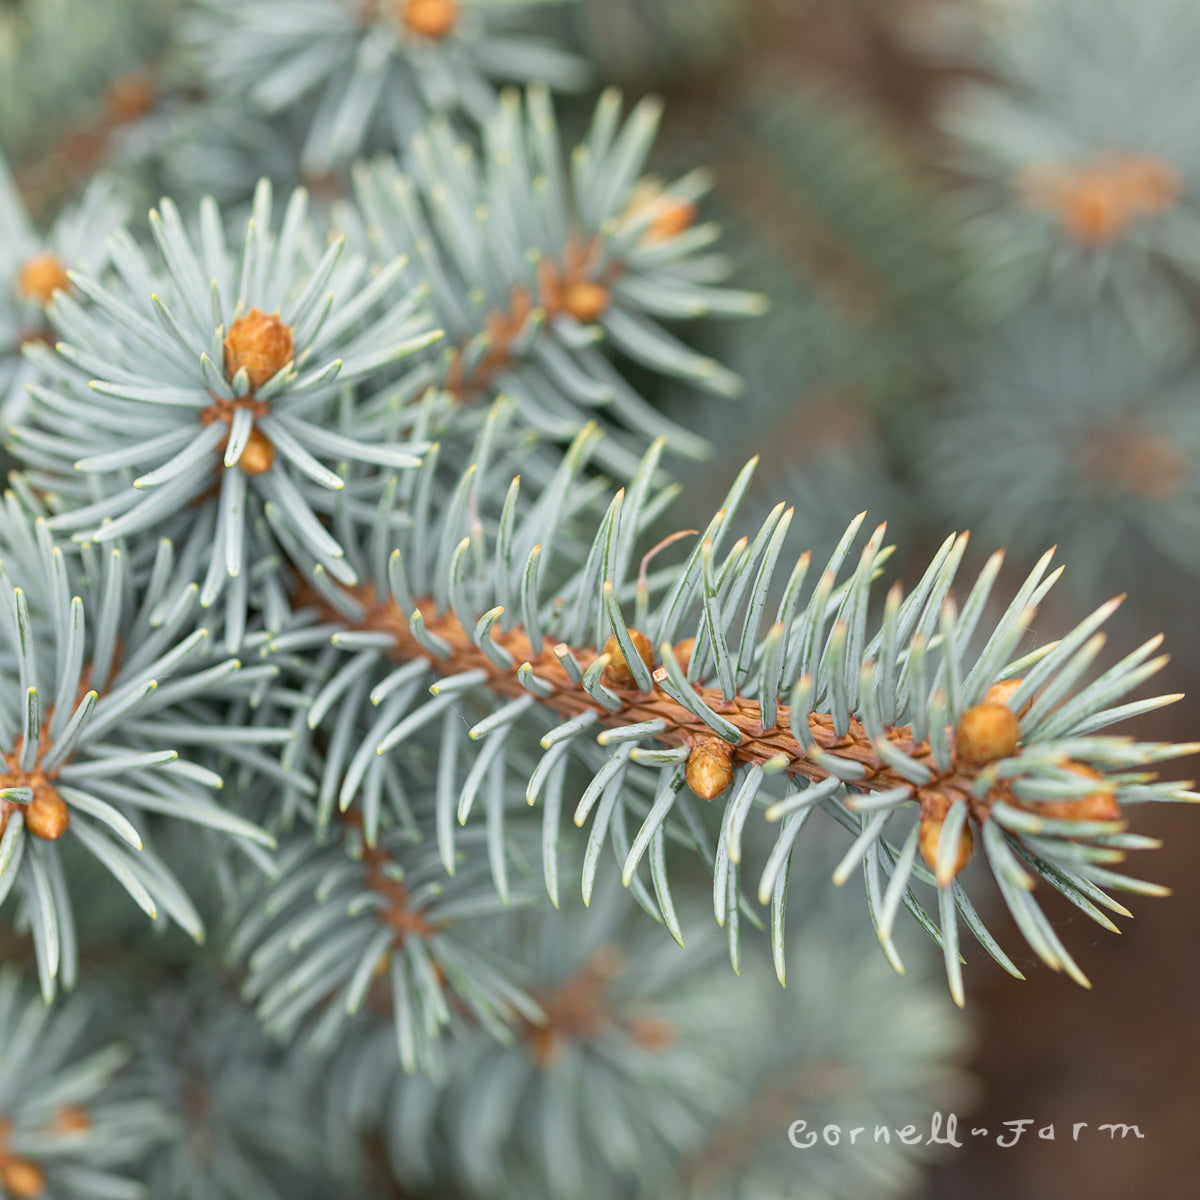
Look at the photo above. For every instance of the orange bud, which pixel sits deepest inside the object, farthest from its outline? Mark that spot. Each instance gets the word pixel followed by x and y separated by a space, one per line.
pixel 71 1119
pixel 430 18
pixel 1093 217
pixel 21 1180
pixel 261 344
pixel 258 455
pixel 672 217
pixel 985 733
pixel 46 815
pixel 667 216
pixel 1097 201
pixel 709 767
pixel 546 1047
pixel 930 835
pixel 618 670
pixel 40 278
pixel 1099 806
pixel 999 693
pixel 586 301
pixel 652 1033
pixel 605 963
pixel 130 96
pixel 684 651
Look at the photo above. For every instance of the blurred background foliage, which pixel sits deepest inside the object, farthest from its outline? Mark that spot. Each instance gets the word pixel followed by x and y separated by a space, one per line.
pixel 978 224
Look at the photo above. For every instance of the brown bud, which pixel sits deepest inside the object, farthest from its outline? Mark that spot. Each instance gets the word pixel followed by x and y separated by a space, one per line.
pixel 667 216
pixel 47 815
pixel 1096 201
pixel 37 337
pixel 71 1119
pixel 672 217
pixel 261 344
pixel 605 963
pixel 20 1179
pixel 1099 806
pixel 684 651
pixel 40 278
pixel 1000 693
pixel 130 96
pixel 546 1047
pixel 586 301
pixel 258 455
pixel 430 18
pixel 985 733
pixel 930 835
pixel 652 1033
pixel 618 670
pixel 709 767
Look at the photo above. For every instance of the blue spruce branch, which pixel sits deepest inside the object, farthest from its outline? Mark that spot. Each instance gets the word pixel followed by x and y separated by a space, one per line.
pixel 362 68
pixel 90 684
pixel 65 1128
pixel 687 685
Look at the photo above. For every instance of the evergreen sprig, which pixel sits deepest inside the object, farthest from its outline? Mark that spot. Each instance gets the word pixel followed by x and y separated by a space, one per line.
pixel 33 267
pixel 1105 469
pixel 317 420
pixel 538 262
pixel 349 925
pixel 1080 176
pixel 226 380
pixel 365 67
pixel 93 669
pixel 636 1030
pixel 50 83
pixel 242 1105
pixel 672 1104
pixel 683 684
pixel 64 1132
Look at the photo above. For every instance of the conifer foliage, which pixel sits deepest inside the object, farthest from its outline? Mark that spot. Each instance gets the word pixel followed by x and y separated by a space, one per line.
pixel 342 536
